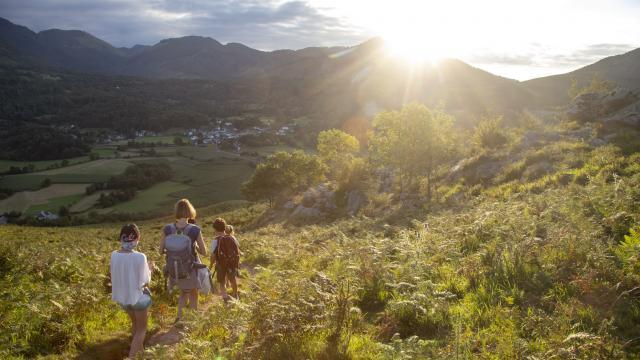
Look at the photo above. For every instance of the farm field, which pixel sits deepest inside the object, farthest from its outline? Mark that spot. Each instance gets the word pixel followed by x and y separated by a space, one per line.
pixel 154 139
pixel 86 202
pixel 201 173
pixel 98 167
pixel 54 204
pixel 38 165
pixel 43 199
pixel 158 197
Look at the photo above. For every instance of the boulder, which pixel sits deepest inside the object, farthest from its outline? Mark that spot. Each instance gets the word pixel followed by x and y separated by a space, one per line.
pixel 627 117
pixel 595 106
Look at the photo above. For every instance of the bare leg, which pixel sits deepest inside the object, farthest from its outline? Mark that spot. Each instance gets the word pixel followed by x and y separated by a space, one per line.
pixel 234 286
pixel 137 344
pixel 133 322
pixel 223 289
pixel 181 302
pixel 193 299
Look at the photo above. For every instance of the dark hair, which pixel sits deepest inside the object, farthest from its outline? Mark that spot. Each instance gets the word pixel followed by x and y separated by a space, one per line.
pixel 191 221
pixel 220 225
pixel 129 232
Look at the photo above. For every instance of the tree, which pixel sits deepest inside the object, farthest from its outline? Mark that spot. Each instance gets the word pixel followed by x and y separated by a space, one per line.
pixel 284 174
pixel 337 149
pixel 412 141
pixel 63 211
pixel 45 183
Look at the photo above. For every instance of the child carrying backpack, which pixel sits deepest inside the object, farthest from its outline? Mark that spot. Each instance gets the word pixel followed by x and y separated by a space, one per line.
pixel 225 255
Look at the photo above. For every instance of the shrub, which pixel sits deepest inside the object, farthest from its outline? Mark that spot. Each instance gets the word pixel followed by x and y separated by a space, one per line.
pixel 489 134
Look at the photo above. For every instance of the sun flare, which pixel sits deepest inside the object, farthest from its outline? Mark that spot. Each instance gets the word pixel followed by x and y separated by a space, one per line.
pixel 420 31
pixel 414 50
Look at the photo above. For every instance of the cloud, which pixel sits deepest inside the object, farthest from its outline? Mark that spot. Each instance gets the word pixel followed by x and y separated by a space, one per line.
pixel 590 54
pixel 538 56
pixel 263 24
pixel 503 59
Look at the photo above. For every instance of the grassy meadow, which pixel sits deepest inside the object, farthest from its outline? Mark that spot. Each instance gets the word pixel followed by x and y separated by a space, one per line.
pixel 545 268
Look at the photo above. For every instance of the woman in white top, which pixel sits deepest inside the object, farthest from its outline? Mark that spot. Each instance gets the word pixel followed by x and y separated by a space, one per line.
pixel 130 276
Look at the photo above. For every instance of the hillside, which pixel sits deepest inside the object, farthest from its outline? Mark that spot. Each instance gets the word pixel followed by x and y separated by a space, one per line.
pixel 524 249
pixel 623 70
pixel 314 79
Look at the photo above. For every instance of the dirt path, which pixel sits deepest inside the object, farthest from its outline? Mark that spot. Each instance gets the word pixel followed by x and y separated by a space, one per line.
pixel 172 335
pixel 117 347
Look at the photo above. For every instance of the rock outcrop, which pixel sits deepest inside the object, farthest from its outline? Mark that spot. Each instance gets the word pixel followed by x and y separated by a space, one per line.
pixel 599 105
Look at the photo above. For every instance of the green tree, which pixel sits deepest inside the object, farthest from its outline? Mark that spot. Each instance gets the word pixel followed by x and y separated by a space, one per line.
pixel 413 141
pixel 284 174
pixel 64 211
pixel 45 183
pixel 337 150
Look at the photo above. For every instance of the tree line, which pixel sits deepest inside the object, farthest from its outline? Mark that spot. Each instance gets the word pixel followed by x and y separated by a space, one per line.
pixel 411 143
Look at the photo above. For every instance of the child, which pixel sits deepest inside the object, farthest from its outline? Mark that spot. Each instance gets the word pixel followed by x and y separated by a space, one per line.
pixel 225 255
pixel 130 276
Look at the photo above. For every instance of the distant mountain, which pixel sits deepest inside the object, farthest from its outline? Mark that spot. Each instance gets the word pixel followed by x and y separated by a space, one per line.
pixel 332 83
pixel 70 49
pixel 134 50
pixel 193 57
pixel 623 70
pixel 80 51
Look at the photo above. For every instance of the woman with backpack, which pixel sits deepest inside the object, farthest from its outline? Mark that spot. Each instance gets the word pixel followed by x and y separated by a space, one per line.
pixel 225 255
pixel 181 244
pixel 130 276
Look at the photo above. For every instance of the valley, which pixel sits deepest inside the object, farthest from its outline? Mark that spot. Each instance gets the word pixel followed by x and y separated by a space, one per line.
pixel 385 208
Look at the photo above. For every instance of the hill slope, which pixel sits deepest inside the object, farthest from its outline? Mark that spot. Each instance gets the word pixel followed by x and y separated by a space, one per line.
pixel 623 70
pixel 524 251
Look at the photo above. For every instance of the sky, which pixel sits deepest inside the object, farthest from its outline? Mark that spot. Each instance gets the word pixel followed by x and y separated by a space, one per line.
pixel 517 39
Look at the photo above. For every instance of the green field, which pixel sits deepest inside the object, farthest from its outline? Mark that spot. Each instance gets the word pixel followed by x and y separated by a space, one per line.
pixel 39 165
pixel 104 151
pixel 33 181
pixel 98 167
pixel 55 204
pixel 51 197
pixel 202 174
pixel 159 197
pixel 154 139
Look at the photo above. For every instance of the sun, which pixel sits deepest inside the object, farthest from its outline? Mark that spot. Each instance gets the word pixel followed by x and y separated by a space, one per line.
pixel 414 50
pixel 420 31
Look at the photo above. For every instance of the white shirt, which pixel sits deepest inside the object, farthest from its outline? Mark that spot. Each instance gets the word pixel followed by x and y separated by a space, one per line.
pixel 129 273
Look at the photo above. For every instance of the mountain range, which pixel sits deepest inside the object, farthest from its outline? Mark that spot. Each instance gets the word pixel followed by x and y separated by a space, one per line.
pixel 360 77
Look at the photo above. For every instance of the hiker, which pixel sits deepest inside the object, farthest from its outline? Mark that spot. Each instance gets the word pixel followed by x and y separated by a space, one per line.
pixel 230 231
pixel 130 276
pixel 181 243
pixel 225 256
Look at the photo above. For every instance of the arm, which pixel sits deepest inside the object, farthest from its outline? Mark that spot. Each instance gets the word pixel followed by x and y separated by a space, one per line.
pixel 212 259
pixel 200 246
pixel 162 243
pixel 144 270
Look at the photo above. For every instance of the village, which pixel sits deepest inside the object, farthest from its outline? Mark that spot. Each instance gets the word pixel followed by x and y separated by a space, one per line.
pixel 224 135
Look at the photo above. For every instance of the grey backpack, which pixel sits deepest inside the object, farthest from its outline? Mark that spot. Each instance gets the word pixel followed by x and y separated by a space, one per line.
pixel 180 253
